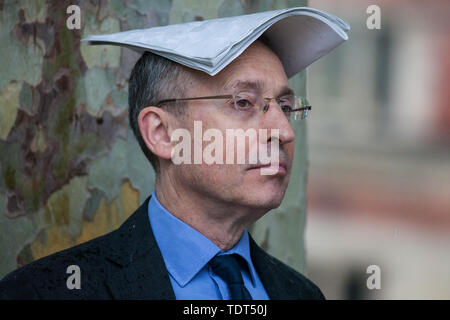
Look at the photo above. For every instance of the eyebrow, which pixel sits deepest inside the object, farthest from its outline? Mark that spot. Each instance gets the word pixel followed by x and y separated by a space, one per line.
pixel 258 85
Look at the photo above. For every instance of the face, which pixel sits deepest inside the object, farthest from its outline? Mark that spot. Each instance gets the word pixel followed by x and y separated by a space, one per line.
pixel 258 71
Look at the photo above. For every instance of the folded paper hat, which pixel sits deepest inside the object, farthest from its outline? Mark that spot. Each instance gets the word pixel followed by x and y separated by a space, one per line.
pixel 299 36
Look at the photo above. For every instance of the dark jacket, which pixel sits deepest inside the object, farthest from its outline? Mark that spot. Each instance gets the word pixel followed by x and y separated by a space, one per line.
pixel 127 264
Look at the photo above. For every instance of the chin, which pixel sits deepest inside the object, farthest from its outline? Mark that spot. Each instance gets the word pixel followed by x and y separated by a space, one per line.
pixel 267 191
pixel 266 198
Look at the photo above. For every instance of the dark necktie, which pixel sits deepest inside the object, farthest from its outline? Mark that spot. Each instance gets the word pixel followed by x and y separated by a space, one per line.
pixel 227 267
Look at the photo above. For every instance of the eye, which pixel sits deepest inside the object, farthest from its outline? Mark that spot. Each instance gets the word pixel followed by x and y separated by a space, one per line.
pixel 286 108
pixel 285 105
pixel 242 104
pixel 244 101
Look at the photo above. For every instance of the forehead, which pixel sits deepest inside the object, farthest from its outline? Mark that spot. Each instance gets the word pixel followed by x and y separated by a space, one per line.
pixel 259 87
pixel 257 68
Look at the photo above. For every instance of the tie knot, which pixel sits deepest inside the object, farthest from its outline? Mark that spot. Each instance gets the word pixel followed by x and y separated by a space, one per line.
pixel 227 267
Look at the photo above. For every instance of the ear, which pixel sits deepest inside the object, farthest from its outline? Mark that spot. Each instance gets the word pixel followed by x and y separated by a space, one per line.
pixel 153 125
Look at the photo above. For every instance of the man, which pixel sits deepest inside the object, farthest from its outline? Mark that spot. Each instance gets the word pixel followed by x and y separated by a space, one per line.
pixel 188 240
pixel 197 210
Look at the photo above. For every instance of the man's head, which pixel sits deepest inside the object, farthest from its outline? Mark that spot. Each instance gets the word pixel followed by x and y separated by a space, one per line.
pixel 235 185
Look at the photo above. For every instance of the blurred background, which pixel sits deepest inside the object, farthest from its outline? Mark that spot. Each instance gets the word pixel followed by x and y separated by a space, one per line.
pixel 371 180
pixel 378 190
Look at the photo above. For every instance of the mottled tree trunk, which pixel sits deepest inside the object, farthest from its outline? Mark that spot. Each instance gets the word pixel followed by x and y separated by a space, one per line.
pixel 70 168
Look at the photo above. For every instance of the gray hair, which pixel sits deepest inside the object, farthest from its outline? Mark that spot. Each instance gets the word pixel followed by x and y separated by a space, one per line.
pixel 154 78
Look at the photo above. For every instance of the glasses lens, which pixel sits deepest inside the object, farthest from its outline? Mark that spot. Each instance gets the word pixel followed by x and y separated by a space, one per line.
pixel 287 104
pixel 301 109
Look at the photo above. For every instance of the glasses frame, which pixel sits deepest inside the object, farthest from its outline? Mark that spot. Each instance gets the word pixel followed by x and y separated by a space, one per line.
pixel 230 96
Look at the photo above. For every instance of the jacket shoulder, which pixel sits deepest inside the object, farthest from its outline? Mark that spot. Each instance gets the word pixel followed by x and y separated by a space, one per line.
pixel 280 280
pixel 310 291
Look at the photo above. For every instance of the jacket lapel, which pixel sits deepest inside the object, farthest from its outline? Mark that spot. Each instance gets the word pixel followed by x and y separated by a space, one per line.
pixel 278 286
pixel 138 269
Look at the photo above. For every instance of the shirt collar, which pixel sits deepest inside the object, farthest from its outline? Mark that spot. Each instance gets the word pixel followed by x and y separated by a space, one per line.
pixel 184 259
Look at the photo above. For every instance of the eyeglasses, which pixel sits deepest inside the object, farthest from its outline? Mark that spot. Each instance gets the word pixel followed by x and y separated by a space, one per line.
pixel 248 103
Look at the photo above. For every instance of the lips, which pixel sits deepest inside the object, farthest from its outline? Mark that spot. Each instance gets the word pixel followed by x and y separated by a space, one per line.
pixel 280 167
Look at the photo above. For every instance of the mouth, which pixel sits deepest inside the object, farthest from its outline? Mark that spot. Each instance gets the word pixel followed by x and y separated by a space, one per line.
pixel 270 168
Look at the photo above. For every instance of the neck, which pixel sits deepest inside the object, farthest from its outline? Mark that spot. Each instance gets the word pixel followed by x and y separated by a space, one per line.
pixel 222 223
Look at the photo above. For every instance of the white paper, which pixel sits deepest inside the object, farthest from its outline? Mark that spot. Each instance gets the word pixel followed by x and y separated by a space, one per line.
pixel 299 36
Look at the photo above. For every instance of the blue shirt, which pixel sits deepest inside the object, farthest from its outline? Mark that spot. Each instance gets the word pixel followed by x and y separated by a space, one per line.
pixel 186 253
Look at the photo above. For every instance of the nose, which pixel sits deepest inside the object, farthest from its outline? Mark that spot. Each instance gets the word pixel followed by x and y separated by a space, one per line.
pixel 274 118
